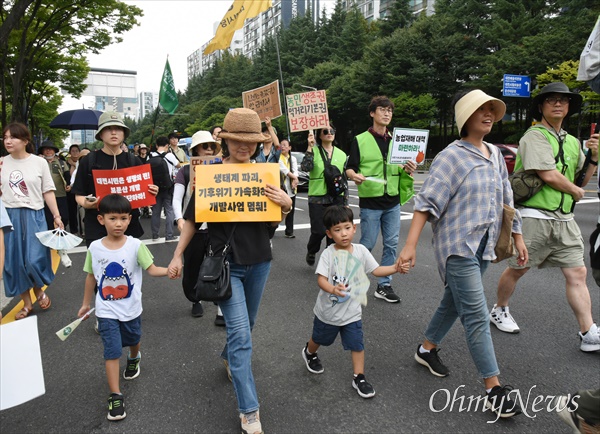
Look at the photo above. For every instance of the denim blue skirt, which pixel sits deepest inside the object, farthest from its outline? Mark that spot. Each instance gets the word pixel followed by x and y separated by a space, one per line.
pixel 27 262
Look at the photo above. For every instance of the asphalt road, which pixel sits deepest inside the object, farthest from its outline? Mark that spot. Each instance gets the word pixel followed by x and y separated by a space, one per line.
pixel 183 386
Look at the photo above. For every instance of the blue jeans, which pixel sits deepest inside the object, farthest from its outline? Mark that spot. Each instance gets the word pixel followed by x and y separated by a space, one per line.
pixel 464 299
pixel 371 220
pixel 247 285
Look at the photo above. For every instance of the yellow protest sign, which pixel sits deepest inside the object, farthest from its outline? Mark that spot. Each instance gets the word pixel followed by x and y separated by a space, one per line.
pixel 236 193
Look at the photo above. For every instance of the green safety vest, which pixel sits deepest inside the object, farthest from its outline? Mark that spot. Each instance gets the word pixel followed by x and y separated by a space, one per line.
pixel 372 164
pixel 548 198
pixel 316 185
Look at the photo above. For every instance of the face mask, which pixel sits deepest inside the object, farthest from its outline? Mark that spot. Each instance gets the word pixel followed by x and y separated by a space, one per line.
pixel 49 157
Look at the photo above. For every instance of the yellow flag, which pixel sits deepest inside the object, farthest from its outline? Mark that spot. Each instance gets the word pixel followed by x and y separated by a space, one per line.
pixel 233 20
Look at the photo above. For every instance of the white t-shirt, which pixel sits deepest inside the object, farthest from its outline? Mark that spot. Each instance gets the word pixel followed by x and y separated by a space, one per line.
pixel 24 182
pixel 329 308
pixel 118 275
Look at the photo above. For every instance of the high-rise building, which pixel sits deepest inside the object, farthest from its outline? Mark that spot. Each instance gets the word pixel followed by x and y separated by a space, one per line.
pixel 148 103
pixel 114 90
pixel 378 9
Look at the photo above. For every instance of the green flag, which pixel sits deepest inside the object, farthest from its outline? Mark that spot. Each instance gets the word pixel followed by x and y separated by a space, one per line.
pixel 168 96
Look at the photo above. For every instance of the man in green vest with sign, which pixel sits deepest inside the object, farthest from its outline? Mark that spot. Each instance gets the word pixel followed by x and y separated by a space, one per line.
pixel 378 184
pixel 552 236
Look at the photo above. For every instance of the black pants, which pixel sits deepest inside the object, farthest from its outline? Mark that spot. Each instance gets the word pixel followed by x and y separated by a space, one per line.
pixel 192 259
pixel 73 220
pixel 317 227
pixel 289 219
pixel 63 210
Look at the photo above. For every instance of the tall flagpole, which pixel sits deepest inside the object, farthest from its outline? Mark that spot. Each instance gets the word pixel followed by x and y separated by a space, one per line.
pixel 287 126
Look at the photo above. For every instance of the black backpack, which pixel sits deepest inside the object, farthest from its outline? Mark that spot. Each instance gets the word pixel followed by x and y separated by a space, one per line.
pixel 335 181
pixel 160 171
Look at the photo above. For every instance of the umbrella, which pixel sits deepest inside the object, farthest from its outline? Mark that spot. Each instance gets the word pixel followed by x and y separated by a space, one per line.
pixel 80 119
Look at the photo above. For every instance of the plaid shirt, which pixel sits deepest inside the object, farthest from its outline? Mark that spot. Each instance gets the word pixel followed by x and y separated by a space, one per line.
pixel 464 194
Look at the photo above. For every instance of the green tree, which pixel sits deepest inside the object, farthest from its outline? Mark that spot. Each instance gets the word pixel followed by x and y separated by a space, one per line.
pixel 48 45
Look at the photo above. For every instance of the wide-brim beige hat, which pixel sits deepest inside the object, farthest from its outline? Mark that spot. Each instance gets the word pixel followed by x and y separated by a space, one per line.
pixel 244 125
pixel 109 119
pixel 200 137
pixel 469 103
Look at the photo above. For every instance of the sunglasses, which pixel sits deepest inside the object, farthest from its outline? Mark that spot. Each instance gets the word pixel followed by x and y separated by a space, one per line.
pixel 326 131
pixel 212 146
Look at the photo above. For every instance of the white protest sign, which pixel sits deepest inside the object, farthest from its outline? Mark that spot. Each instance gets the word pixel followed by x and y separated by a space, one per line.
pixel 408 145
pixel 20 353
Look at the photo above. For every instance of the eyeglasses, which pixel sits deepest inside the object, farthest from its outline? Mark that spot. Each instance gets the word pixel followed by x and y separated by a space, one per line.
pixel 561 99
pixel 212 146
pixel 326 131
pixel 385 110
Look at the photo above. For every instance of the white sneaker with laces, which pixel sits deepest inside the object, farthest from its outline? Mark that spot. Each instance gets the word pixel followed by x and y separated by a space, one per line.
pixel 591 340
pixel 251 423
pixel 501 318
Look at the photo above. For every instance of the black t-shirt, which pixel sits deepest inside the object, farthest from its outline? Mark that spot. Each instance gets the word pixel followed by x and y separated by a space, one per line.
pixel 250 243
pixel 381 202
pixel 84 186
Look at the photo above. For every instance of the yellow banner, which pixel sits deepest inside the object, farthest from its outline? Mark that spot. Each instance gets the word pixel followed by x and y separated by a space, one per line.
pixel 236 193
pixel 233 20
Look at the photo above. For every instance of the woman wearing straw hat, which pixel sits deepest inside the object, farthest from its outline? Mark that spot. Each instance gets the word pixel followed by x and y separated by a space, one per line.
pixel 463 198
pixel 250 263
pixel 203 145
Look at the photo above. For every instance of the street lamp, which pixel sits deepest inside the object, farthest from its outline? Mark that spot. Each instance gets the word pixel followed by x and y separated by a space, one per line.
pixel 307 87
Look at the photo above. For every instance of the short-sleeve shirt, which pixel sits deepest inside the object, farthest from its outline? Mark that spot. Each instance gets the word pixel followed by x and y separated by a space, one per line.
pixel 24 182
pixel 171 160
pixel 330 308
pixel 537 154
pixel 118 275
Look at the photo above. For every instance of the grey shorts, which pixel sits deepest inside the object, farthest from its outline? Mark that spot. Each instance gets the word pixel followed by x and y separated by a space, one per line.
pixel 551 243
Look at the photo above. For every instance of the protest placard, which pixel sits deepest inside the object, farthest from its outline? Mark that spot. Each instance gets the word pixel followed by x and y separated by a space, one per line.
pixel 236 193
pixel 131 182
pixel 307 111
pixel 264 100
pixel 408 145
pixel 201 161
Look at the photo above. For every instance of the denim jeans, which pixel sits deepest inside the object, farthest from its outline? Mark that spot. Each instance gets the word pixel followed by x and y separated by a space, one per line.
pixel 163 199
pixel 247 285
pixel 464 299
pixel 388 220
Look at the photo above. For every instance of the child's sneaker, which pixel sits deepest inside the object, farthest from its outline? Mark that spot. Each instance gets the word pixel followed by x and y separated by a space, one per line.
pixel 133 367
pixel 313 363
pixel 499 402
pixel 116 407
pixel 251 423
pixel 363 387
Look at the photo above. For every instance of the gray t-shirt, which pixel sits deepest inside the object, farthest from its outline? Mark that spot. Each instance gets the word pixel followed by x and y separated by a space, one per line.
pixel 329 308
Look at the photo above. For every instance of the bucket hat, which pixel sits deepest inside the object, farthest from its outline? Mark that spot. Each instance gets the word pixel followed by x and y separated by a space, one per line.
pixel 244 125
pixel 470 102
pixel 48 144
pixel 142 146
pixel 109 119
pixel 200 137
pixel 557 87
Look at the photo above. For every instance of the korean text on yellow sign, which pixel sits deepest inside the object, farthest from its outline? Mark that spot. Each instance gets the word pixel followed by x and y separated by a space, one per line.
pixel 236 193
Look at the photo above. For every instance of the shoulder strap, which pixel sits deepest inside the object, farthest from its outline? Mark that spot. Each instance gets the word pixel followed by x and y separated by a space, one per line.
pixel 326 160
pixel 560 155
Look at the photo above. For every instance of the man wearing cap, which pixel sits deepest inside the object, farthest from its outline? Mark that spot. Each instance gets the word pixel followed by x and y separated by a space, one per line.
pixel 176 150
pixel 112 131
pixel 551 234
pixel 61 177
pixel 379 201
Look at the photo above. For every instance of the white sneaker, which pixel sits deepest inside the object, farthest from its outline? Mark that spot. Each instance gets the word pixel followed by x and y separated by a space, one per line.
pixel 591 340
pixel 501 318
pixel 251 423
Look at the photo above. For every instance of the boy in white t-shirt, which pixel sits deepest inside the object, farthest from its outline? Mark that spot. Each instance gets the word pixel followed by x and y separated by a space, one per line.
pixel 335 312
pixel 114 264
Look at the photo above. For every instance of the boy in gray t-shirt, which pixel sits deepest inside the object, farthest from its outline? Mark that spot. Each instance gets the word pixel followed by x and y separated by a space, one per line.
pixel 335 312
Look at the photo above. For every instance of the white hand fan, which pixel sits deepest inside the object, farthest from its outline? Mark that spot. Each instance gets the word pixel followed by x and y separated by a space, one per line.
pixel 58 239
pixel 358 285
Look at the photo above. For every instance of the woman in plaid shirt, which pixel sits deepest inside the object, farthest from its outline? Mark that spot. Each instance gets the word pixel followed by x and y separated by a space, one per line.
pixel 463 198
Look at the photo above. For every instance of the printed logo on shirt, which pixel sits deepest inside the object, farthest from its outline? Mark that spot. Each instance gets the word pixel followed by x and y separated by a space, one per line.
pixel 17 184
pixel 334 298
pixel 115 283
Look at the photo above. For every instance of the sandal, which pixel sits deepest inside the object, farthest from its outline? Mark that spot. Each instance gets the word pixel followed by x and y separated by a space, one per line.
pixel 23 313
pixel 44 301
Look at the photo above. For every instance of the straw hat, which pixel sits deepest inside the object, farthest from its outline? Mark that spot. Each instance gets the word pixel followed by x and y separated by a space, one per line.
pixel 200 137
pixel 574 104
pixel 108 119
pixel 470 102
pixel 244 125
